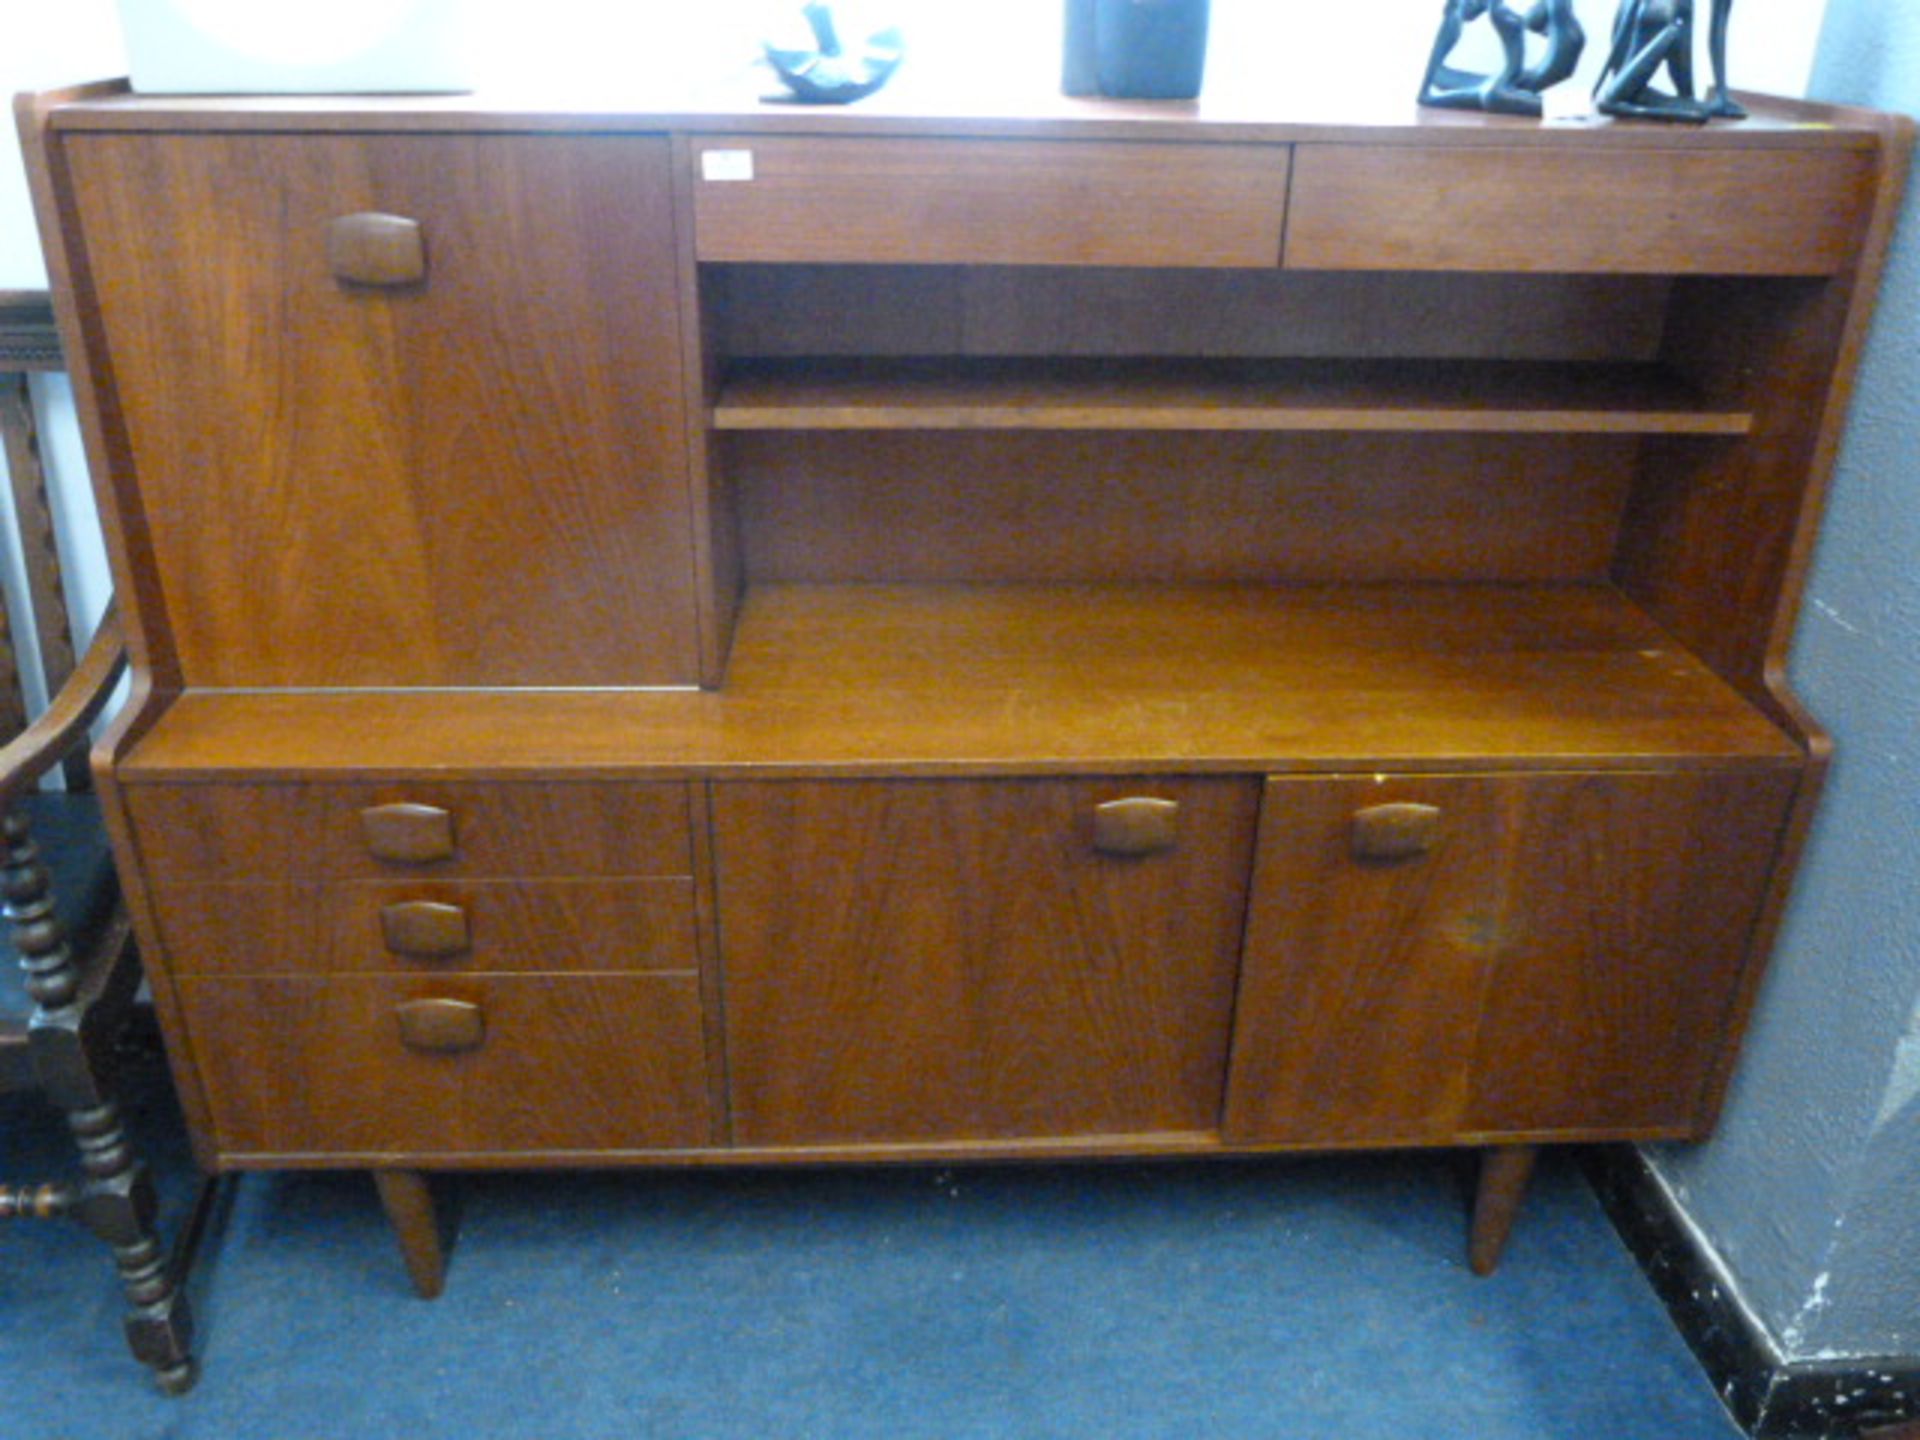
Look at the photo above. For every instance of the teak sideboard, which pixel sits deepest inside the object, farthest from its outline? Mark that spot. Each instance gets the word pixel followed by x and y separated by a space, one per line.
pixel 762 635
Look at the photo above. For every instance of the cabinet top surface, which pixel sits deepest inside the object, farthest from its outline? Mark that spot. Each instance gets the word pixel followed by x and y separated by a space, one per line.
pixel 1054 679
pixel 936 107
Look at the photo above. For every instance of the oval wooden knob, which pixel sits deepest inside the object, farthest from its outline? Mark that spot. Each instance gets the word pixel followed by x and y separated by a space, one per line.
pixel 375 249
pixel 426 930
pixel 1395 832
pixel 1138 825
pixel 408 834
pixel 441 1027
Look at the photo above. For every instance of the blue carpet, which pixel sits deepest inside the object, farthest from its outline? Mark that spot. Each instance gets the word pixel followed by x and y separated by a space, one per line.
pixel 1299 1298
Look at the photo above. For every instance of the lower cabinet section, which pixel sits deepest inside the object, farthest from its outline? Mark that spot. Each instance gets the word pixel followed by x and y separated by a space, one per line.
pixel 951 960
pixel 1463 957
pixel 458 1064
pixel 1307 962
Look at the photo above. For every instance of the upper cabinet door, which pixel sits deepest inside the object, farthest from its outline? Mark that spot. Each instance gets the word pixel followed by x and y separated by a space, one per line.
pixel 1435 959
pixel 402 409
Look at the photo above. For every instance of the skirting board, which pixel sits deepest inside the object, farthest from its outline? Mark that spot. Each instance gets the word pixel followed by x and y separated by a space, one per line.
pixel 1771 1398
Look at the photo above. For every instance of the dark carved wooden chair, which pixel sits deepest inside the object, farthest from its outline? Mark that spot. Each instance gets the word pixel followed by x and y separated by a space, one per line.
pixel 68 989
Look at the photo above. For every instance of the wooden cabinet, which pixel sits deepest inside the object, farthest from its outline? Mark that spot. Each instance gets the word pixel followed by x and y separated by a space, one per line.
pixel 1216 635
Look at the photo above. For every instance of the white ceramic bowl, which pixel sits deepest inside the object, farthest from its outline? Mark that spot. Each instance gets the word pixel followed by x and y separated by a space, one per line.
pixel 270 46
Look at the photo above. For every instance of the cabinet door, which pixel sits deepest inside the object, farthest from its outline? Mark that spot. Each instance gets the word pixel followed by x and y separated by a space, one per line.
pixel 402 409
pixel 952 961
pixel 1555 954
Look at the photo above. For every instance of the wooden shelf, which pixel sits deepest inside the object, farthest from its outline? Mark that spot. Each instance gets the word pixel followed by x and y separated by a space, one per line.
pixel 1077 394
pixel 1028 679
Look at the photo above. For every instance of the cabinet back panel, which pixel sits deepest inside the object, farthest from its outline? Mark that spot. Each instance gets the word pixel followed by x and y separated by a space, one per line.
pixel 1047 506
pixel 922 310
pixel 475 478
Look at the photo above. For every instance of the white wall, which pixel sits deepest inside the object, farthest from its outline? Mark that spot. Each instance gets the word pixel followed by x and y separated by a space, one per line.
pixel 51 42
pixel 1807 1192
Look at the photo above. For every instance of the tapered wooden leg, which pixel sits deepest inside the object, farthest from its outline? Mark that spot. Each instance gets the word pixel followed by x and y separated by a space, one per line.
pixel 1503 1184
pixel 408 1201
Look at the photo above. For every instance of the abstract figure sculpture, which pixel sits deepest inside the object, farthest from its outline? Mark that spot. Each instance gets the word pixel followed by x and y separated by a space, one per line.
pixel 1515 88
pixel 1649 35
pixel 832 73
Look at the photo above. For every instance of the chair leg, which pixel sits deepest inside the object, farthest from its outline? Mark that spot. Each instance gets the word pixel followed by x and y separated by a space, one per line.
pixel 118 1204
pixel 408 1201
pixel 116 1200
pixel 1496 1203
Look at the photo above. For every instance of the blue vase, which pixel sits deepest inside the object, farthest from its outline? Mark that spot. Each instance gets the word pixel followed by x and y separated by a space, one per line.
pixel 1150 49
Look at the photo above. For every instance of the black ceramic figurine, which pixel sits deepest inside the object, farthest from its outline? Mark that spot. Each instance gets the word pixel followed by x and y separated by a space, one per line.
pixel 1554 21
pixel 1513 89
pixel 829 74
pixel 1649 35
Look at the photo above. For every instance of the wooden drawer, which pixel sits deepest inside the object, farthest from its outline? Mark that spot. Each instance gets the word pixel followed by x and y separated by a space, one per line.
pixel 296 831
pixel 299 1067
pixel 1679 211
pixel 989 202
pixel 261 928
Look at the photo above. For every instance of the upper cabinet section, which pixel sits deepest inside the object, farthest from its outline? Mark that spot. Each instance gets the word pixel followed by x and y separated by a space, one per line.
pixel 399 409
pixel 989 202
pixel 1563 208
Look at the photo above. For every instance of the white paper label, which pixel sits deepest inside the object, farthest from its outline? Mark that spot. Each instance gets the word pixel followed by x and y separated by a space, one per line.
pixel 1567 104
pixel 726 165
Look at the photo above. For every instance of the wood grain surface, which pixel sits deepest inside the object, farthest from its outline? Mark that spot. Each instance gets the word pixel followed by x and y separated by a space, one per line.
pixel 247 831
pixel 954 960
pixel 1565 959
pixel 1365 207
pixel 876 680
pixel 477 480
pixel 814 311
pixel 905 506
pixel 577 1061
pixel 988 202
pixel 288 928
pixel 1057 394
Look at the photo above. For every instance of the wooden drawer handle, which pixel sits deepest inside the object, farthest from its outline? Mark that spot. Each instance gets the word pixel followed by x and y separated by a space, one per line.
pixel 375 249
pixel 1138 825
pixel 408 834
pixel 426 930
pixel 1395 832
pixel 441 1027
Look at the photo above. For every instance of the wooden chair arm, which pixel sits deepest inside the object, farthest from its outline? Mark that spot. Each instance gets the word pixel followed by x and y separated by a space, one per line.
pixel 43 744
